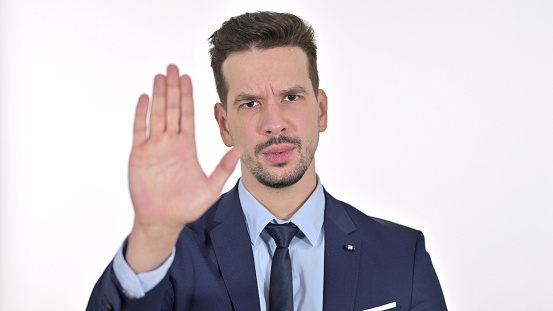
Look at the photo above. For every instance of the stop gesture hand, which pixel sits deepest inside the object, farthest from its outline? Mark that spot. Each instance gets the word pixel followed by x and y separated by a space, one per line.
pixel 167 185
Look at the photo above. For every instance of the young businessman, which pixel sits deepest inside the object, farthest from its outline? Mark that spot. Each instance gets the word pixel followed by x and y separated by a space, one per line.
pixel 277 240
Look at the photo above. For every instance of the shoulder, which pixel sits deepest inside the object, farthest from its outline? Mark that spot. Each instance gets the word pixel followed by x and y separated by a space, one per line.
pixel 373 229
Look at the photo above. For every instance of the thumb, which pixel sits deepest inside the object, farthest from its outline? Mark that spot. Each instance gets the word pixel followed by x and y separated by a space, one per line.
pixel 225 168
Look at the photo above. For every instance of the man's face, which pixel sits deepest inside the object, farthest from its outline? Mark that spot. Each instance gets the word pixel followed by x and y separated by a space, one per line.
pixel 273 113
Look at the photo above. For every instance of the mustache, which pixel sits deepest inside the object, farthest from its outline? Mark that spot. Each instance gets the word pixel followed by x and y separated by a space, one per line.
pixel 277 141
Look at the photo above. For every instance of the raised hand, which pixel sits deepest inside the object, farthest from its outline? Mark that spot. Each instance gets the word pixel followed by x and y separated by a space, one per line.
pixel 167 185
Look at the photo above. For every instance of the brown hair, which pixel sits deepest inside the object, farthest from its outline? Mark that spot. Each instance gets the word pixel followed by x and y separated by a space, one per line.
pixel 261 30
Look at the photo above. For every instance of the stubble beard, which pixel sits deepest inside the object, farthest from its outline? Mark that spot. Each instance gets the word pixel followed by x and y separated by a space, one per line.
pixel 265 177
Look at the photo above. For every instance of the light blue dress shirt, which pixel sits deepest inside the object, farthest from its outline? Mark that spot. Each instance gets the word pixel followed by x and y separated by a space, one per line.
pixel 306 253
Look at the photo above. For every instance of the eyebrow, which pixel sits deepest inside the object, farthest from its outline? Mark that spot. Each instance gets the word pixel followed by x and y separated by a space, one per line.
pixel 294 90
pixel 247 97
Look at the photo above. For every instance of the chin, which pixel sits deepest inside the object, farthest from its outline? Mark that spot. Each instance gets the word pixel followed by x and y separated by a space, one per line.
pixel 282 180
pixel 279 183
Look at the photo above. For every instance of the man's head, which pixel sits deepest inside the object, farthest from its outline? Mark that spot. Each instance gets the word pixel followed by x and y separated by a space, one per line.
pixel 272 107
pixel 261 30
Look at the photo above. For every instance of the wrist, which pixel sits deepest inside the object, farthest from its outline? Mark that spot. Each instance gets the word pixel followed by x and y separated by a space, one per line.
pixel 149 246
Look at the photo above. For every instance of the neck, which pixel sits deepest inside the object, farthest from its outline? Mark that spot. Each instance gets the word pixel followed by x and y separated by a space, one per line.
pixel 283 203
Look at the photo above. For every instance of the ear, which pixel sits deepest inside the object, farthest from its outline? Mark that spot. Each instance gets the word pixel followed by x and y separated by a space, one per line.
pixel 323 110
pixel 221 118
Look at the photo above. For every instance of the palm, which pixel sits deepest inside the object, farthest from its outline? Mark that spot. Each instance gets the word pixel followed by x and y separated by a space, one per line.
pixel 163 177
pixel 167 185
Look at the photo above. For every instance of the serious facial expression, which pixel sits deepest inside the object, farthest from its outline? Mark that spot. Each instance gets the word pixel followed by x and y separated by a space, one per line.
pixel 273 113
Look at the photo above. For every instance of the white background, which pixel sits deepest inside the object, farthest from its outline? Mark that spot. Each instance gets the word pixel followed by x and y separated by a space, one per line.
pixel 440 118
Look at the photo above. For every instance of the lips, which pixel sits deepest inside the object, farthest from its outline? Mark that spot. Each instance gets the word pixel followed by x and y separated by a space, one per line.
pixel 278 154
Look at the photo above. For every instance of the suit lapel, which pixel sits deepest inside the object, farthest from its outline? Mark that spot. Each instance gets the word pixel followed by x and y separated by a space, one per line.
pixel 232 246
pixel 341 266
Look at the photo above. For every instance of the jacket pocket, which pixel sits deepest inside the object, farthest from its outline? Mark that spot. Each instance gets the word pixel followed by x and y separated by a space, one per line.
pixel 392 306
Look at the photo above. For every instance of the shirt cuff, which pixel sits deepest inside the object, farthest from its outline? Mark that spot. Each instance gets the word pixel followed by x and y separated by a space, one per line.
pixel 137 285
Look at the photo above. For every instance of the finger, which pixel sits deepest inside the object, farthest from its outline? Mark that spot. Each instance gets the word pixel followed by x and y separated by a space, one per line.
pixel 157 111
pixel 140 131
pixel 225 168
pixel 173 98
pixel 187 106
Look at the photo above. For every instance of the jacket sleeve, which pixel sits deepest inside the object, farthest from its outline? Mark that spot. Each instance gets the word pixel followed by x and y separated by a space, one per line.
pixel 427 292
pixel 108 295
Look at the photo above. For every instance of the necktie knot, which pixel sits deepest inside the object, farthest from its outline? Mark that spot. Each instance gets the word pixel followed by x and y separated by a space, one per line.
pixel 283 233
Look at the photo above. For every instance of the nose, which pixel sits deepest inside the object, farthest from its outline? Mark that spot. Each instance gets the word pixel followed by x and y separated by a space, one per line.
pixel 273 120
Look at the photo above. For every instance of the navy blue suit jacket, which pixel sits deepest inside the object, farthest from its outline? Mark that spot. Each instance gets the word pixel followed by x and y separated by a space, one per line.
pixel 214 269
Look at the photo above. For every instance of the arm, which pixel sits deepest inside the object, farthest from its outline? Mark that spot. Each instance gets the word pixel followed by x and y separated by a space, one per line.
pixel 167 185
pixel 137 285
pixel 427 292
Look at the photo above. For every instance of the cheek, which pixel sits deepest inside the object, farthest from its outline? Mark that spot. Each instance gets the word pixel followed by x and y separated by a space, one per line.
pixel 242 133
pixel 307 121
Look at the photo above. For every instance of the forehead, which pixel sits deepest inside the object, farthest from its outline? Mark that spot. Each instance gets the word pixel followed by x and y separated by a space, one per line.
pixel 266 70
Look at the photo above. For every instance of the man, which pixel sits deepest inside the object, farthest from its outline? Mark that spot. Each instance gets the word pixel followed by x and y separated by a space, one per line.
pixel 190 250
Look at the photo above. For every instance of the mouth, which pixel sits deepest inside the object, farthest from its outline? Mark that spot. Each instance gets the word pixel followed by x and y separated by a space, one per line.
pixel 279 154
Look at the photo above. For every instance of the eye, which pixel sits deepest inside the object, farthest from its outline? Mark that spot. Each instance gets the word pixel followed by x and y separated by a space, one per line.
pixel 250 104
pixel 292 98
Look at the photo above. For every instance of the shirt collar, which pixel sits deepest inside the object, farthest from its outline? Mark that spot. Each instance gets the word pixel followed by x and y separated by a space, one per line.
pixel 309 218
